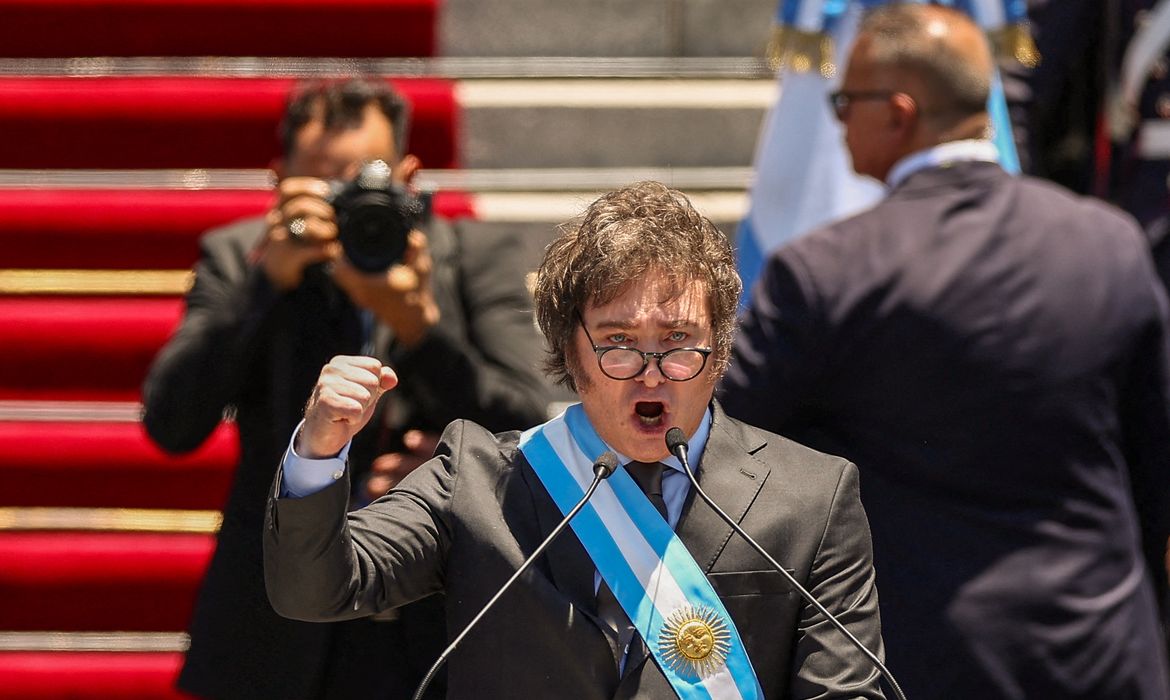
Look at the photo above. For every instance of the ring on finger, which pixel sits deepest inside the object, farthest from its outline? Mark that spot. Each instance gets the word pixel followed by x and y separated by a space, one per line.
pixel 297 228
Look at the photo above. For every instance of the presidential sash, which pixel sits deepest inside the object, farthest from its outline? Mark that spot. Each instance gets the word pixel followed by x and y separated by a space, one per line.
pixel 652 575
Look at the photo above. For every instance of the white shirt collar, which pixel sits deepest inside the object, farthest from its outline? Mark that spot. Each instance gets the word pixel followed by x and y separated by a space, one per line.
pixel 942 155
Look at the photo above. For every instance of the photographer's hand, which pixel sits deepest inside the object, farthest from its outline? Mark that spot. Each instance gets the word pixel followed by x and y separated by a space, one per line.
pixel 388 469
pixel 301 231
pixel 401 297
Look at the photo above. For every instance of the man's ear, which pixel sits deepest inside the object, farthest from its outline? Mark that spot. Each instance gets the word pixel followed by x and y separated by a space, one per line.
pixel 903 113
pixel 407 168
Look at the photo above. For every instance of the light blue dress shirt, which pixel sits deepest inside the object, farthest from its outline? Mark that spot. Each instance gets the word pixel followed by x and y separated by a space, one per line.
pixel 304 477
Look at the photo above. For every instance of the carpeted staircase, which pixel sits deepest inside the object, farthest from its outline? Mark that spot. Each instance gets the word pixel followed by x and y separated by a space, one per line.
pixel 132 126
pixel 103 537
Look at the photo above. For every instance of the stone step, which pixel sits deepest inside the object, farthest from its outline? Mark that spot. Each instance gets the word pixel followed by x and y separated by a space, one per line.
pixel 605 28
pixel 93 641
pixel 41 519
pixel 611 123
pixel 451 67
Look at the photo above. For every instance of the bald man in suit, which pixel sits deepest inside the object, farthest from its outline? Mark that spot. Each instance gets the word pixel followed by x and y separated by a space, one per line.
pixel 991 351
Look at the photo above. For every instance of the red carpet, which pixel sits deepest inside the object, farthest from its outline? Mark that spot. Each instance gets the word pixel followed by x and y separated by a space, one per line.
pixel 116 229
pixel 338 28
pixel 99 348
pixel 92 349
pixel 180 122
pixel 138 229
pixel 89 676
pixel 110 465
pixel 96 581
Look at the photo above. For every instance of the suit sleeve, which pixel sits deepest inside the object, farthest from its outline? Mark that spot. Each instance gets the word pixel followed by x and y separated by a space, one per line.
pixel 201 369
pixel 492 377
pixel 826 664
pixel 1145 406
pixel 777 353
pixel 323 564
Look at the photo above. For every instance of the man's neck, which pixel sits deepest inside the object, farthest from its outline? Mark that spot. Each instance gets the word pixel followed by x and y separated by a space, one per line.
pixel 927 136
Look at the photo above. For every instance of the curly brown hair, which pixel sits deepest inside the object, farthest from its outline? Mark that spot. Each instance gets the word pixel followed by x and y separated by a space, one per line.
pixel 621 237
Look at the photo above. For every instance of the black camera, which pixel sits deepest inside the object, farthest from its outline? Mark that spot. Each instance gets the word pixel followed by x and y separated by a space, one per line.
pixel 374 216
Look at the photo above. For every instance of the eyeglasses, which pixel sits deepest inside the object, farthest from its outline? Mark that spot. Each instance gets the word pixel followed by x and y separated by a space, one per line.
pixel 840 100
pixel 621 362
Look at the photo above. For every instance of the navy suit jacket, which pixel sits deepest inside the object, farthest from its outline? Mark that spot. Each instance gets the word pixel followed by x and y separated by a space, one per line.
pixel 991 351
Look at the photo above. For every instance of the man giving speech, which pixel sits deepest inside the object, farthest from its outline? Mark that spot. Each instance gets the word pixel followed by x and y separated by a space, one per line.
pixel 652 595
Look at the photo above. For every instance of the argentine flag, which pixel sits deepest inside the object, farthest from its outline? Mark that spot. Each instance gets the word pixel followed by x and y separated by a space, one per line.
pixel 803 176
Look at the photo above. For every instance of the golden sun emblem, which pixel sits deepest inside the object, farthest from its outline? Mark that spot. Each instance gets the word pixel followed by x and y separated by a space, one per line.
pixel 695 639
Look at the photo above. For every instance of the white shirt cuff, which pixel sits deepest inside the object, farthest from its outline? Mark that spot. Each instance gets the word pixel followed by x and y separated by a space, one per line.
pixel 305 477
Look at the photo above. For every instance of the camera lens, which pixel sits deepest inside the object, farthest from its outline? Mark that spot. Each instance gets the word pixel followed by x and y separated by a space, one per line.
pixel 373 230
pixel 374 216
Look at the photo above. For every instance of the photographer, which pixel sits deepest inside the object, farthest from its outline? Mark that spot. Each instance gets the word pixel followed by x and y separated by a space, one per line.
pixel 274 299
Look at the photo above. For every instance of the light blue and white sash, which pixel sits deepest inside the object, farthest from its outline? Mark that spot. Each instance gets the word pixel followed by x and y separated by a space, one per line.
pixel 652 575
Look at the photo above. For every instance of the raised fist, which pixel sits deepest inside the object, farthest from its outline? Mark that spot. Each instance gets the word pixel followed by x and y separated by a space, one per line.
pixel 342 402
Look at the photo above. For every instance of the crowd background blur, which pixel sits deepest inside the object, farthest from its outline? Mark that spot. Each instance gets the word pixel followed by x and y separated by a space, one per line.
pixel 1093 114
pixel 1088 114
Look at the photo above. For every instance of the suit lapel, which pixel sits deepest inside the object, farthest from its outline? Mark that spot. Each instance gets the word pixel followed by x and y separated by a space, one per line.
pixel 572 569
pixel 731 475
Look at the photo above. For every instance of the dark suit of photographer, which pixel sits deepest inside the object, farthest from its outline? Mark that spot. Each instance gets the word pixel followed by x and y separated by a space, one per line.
pixel 267 309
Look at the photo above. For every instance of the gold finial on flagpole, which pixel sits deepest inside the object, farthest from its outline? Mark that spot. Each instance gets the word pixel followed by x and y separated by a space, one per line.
pixel 1015 41
pixel 800 51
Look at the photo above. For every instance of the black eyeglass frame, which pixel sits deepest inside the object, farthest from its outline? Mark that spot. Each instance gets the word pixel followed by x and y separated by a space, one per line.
pixel 601 350
pixel 840 100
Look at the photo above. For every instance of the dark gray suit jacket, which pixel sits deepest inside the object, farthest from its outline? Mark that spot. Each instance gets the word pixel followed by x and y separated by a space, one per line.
pixel 464 522
pixel 991 352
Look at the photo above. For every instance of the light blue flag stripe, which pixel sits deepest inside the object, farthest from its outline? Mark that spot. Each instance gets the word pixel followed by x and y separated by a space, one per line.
pixel 1001 126
pixel 749 259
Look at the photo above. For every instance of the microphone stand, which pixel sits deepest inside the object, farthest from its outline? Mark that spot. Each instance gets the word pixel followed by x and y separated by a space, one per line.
pixel 602 469
pixel 677 444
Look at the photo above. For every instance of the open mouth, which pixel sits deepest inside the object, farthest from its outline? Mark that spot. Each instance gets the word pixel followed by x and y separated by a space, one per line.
pixel 650 412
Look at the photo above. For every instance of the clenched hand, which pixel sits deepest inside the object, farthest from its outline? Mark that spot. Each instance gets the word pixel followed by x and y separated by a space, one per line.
pixel 342 402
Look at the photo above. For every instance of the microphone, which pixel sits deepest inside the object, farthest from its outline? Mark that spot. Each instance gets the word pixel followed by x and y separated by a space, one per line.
pixel 676 442
pixel 603 467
